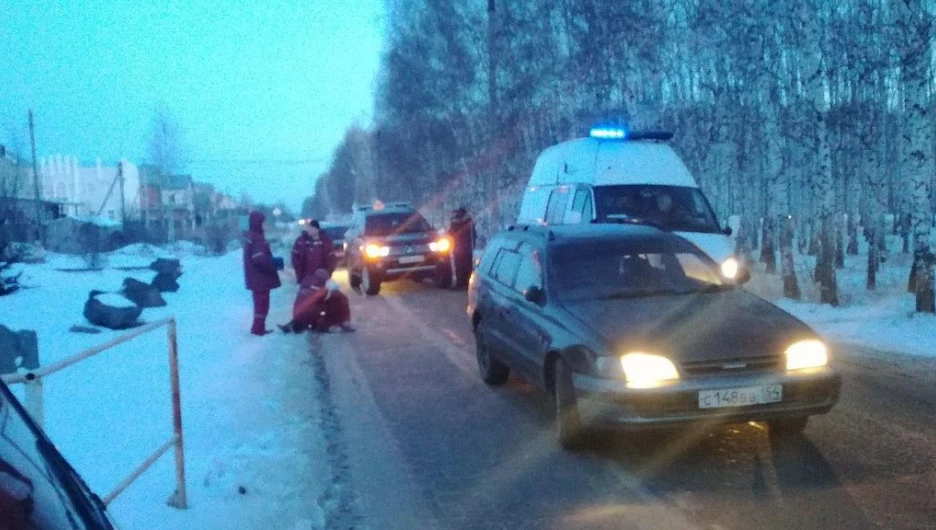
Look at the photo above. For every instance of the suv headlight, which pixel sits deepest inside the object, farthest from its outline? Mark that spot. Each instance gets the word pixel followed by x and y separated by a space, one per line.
pixel 806 354
pixel 730 268
pixel 645 370
pixel 374 251
pixel 441 245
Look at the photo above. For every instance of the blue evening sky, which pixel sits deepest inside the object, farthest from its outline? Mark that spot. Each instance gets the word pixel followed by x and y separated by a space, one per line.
pixel 262 90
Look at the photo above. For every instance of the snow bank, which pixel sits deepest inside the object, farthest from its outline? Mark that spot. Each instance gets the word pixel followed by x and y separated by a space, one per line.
pixel 251 435
pixel 883 319
pixel 115 300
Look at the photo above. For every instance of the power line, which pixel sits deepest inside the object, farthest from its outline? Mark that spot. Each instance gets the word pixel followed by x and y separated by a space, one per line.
pixel 296 162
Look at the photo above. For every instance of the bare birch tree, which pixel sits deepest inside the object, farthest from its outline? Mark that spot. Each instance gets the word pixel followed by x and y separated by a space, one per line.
pixel 916 22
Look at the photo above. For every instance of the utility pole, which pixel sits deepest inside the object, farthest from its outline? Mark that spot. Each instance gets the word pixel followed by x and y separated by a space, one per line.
pixel 32 142
pixel 123 204
pixel 492 110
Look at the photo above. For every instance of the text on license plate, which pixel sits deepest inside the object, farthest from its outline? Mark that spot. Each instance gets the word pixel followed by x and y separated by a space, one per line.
pixel 740 397
pixel 411 259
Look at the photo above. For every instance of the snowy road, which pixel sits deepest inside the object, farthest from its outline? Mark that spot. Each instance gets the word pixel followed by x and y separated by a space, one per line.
pixel 421 442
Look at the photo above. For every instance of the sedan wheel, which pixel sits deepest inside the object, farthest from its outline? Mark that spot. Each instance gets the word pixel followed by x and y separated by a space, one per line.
pixel 568 421
pixel 493 372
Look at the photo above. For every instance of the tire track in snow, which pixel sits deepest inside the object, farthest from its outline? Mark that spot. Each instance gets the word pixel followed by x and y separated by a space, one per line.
pixel 338 501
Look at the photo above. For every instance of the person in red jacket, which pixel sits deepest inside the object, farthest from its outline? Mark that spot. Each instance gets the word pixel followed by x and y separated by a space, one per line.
pixel 312 250
pixel 259 271
pixel 319 305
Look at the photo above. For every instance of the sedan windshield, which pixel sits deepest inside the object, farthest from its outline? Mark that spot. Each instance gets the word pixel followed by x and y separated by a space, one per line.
pixel 594 270
pixel 672 207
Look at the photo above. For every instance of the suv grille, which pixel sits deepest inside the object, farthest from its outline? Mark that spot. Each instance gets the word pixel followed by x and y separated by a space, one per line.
pixel 401 249
pixel 747 365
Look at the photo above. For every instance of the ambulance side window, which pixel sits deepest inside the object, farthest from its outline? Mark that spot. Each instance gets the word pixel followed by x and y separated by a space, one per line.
pixel 582 203
pixel 555 210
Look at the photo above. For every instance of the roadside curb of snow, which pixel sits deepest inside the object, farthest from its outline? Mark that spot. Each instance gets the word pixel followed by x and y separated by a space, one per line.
pixel 338 500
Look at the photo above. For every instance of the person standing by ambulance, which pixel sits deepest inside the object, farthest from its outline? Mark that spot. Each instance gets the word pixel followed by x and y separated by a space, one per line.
pixel 464 238
pixel 259 271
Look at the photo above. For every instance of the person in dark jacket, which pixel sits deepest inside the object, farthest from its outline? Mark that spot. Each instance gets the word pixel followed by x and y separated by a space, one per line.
pixel 259 271
pixel 312 250
pixel 464 238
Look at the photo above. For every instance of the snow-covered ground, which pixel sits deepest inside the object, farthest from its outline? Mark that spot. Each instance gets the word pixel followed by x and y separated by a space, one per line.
pixel 882 319
pixel 252 441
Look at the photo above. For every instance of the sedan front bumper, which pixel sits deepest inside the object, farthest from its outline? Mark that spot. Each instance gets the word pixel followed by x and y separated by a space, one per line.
pixel 612 402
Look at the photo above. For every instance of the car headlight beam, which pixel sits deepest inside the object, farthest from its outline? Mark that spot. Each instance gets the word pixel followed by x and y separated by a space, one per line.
pixel 730 268
pixel 374 251
pixel 441 245
pixel 806 354
pixel 645 370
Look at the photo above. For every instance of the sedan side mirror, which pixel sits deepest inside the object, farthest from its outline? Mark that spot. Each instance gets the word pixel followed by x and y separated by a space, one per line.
pixel 728 231
pixel 535 294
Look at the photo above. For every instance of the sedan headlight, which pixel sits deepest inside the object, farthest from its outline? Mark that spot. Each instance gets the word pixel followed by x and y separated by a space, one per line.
pixel 645 370
pixel 441 245
pixel 730 268
pixel 806 354
pixel 374 251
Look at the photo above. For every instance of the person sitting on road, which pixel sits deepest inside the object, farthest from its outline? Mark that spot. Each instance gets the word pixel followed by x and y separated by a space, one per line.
pixel 319 306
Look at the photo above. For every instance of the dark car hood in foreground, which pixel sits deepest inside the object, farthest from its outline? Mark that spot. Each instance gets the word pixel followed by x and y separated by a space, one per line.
pixel 693 327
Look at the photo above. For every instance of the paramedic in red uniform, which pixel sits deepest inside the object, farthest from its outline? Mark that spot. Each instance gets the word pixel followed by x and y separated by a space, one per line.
pixel 259 271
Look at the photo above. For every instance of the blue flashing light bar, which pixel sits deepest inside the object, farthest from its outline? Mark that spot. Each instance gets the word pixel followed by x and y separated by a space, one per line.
pixel 608 133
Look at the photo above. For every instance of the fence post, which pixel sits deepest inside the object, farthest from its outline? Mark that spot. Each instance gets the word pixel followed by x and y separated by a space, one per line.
pixel 34 402
pixel 178 500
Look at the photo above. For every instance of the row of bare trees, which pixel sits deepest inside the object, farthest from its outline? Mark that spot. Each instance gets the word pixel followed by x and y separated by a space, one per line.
pixel 787 112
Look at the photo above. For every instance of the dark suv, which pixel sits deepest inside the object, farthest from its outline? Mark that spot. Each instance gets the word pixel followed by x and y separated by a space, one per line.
pixel 392 242
pixel 633 326
pixel 336 233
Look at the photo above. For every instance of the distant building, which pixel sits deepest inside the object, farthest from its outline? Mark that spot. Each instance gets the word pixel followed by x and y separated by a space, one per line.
pixel 95 190
pixel 16 176
pixel 167 202
pixel 20 213
pixel 203 203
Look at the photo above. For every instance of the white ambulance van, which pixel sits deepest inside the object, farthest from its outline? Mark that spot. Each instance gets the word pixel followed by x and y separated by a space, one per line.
pixel 619 176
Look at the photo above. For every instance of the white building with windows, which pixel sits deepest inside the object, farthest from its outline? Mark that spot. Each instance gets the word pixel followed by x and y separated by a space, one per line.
pixel 93 189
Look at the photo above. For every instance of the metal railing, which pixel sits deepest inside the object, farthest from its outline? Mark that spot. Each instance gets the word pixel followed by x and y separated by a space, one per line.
pixel 32 380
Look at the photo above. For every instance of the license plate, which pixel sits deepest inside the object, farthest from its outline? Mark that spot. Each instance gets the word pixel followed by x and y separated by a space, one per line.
pixel 411 259
pixel 740 397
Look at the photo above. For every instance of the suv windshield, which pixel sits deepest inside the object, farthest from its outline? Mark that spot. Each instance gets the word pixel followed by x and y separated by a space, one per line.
pixel 672 207
pixel 598 269
pixel 391 224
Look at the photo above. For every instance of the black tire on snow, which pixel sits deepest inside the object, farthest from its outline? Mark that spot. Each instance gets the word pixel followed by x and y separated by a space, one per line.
pixel 493 372
pixel 370 282
pixel 354 279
